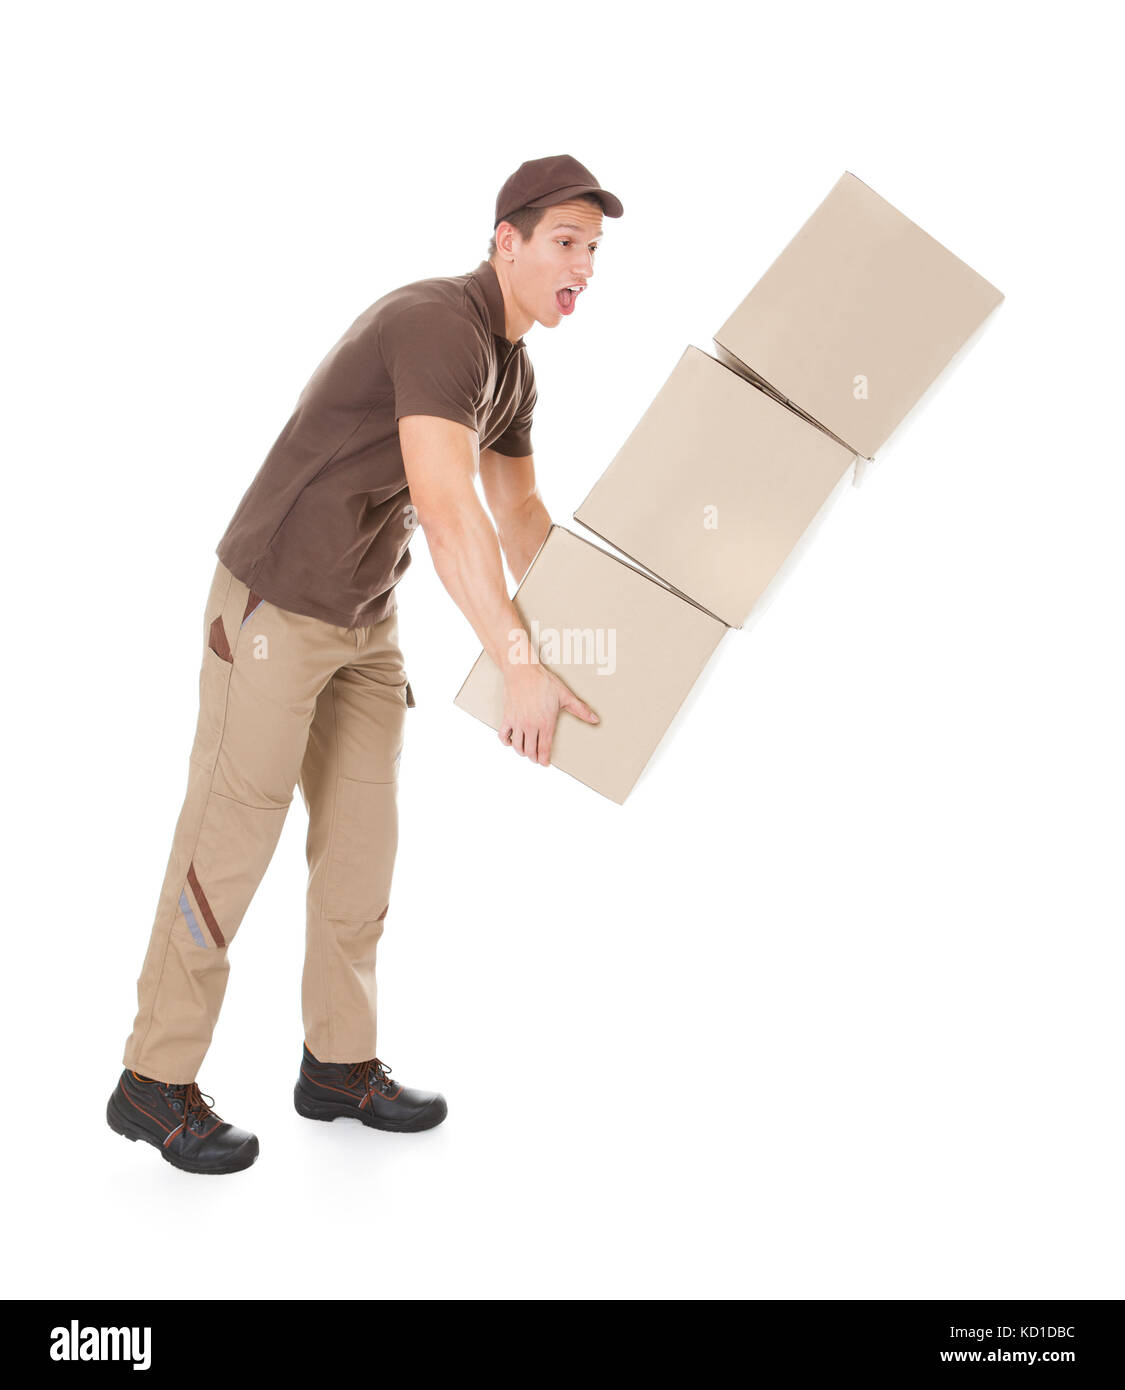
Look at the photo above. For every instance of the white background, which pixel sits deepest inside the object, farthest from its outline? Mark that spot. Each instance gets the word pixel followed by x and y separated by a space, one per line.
pixel 831 1007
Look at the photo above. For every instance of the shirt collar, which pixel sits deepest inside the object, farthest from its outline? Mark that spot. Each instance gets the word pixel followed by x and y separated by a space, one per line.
pixel 494 298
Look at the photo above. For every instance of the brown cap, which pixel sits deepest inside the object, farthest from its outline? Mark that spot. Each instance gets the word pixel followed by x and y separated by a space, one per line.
pixel 541 183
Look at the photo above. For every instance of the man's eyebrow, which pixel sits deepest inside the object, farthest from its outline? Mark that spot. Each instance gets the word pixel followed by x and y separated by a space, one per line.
pixel 570 227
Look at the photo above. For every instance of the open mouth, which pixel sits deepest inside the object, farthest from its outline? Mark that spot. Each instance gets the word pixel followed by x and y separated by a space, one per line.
pixel 566 297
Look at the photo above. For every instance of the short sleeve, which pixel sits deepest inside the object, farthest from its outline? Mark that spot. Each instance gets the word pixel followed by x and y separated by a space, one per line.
pixel 436 362
pixel 515 442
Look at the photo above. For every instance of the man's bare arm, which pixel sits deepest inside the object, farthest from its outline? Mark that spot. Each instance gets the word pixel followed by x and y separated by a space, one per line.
pixel 441 458
pixel 522 521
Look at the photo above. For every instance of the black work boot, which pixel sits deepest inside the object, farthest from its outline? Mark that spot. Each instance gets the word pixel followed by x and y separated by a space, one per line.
pixel 364 1091
pixel 175 1119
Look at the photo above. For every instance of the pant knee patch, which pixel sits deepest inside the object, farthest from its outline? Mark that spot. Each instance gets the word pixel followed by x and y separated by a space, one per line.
pixel 362 851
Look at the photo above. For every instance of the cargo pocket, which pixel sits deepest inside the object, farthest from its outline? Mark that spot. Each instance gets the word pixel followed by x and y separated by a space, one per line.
pixel 403 688
pixel 402 741
pixel 214 683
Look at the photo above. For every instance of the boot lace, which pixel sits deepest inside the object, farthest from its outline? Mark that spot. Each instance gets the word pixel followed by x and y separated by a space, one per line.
pixel 364 1073
pixel 196 1109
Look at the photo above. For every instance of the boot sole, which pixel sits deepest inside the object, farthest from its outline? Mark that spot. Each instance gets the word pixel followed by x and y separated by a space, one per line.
pixel 121 1124
pixel 313 1109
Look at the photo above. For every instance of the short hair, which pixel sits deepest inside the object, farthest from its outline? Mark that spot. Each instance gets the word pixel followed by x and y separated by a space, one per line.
pixel 525 220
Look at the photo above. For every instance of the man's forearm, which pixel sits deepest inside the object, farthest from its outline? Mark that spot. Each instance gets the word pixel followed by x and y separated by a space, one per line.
pixel 467 559
pixel 522 533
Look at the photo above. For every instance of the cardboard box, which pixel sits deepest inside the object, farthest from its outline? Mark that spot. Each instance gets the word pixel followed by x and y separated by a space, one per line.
pixel 715 487
pixel 627 645
pixel 856 317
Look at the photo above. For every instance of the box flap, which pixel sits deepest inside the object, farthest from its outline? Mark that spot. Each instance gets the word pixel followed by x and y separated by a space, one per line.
pixel 857 316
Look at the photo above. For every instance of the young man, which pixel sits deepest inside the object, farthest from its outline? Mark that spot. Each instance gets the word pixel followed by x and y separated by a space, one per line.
pixel 303 682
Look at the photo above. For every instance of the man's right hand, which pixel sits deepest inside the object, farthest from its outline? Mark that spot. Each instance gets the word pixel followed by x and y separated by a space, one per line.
pixel 533 700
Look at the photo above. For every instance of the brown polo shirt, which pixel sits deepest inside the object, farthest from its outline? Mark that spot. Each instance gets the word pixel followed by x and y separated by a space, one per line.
pixel 324 527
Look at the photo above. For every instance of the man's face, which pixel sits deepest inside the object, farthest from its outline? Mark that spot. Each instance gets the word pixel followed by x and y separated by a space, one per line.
pixel 559 254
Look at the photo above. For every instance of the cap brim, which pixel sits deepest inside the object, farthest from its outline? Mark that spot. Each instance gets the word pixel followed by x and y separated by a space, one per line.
pixel 612 204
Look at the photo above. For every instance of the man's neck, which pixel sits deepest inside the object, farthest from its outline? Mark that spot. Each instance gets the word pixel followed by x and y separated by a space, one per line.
pixel 513 331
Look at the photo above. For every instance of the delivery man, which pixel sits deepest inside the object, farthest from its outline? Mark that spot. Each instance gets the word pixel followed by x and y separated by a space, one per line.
pixel 303 683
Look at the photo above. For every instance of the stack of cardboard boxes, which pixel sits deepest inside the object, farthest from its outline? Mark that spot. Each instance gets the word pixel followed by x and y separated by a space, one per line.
pixel 727 471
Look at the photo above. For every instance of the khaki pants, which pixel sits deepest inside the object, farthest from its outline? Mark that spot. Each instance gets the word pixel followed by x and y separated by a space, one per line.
pixel 283 700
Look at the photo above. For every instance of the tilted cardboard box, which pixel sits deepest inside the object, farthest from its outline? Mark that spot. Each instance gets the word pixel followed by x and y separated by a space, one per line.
pixel 856 317
pixel 715 487
pixel 627 645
